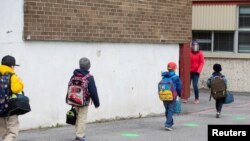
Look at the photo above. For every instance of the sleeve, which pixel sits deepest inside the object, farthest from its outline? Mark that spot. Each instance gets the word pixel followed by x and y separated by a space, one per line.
pixel 178 85
pixel 225 80
pixel 16 84
pixel 93 91
pixel 201 62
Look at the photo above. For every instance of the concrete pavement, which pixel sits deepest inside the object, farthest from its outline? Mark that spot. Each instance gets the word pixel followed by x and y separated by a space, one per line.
pixel 191 125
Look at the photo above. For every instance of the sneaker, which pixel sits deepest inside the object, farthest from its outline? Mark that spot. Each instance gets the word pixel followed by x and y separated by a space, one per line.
pixel 196 101
pixel 217 115
pixel 80 139
pixel 168 128
pixel 184 100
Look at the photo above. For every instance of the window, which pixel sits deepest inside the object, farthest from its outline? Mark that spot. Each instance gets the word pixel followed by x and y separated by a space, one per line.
pixel 224 41
pixel 244 17
pixel 244 30
pixel 237 41
pixel 244 42
pixel 215 41
pixel 204 39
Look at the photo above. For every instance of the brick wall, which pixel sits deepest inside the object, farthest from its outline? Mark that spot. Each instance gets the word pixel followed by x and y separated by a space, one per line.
pixel 222 0
pixel 138 21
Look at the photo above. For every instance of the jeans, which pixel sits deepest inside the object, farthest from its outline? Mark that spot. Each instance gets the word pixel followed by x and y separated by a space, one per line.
pixel 218 104
pixel 169 111
pixel 194 77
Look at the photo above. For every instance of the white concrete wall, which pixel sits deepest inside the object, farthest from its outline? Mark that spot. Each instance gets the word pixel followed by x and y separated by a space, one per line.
pixel 126 74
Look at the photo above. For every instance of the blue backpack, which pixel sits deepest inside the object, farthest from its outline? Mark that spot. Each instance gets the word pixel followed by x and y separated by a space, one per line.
pixel 166 89
pixel 5 92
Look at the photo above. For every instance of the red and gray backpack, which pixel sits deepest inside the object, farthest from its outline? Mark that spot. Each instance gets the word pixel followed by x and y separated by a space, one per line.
pixel 78 94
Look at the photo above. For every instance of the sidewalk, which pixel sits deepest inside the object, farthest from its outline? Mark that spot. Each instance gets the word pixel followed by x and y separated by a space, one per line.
pixel 191 125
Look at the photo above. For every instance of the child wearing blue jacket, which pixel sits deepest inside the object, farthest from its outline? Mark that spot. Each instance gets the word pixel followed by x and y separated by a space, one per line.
pixel 169 106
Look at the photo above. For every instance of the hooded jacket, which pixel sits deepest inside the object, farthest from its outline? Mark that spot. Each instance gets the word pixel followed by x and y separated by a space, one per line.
pixel 214 75
pixel 91 86
pixel 16 83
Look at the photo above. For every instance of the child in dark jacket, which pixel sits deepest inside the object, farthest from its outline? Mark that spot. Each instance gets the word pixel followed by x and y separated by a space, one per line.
pixel 169 106
pixel 218 103
pixel 81 118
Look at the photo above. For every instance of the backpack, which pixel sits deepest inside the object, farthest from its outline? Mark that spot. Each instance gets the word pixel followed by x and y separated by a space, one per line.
pixel 5 92
pixel 218 87
pixel 78 94
pixel 166 90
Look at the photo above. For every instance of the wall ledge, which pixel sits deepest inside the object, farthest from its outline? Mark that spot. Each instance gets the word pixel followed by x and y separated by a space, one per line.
pixel 226 55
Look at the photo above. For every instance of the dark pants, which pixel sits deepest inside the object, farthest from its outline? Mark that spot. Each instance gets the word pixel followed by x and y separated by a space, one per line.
pixel 194 78
pixel 218 104
pixel 169 112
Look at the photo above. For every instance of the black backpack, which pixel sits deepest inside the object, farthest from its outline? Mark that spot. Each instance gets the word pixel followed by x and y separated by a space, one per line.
pixel 218 87
pixel 5 93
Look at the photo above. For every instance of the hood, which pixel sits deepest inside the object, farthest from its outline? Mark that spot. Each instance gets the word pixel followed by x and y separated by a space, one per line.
pixel 216 74
pixel 81 71
pixel 5 69
pixel 168 74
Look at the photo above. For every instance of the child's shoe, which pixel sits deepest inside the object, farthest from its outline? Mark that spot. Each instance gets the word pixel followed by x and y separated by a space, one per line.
pixel 80 139
pixel 196 101
pixel 169 128
pixel 218 115
pixel 184 100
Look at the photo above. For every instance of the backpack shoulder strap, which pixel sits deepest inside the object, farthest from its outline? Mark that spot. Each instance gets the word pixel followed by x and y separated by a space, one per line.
pixel 173 76
pixel 87 76
pixel 9 73
pixel 222 76
pixel 213 77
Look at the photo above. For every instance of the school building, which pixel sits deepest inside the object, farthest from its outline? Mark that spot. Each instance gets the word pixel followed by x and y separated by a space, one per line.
pixel 223 29
pixel 129 43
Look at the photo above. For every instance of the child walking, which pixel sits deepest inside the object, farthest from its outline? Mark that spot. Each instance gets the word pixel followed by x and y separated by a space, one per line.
pixel 81 119
pixel 217 73
pixel 169 105
pixel 9 125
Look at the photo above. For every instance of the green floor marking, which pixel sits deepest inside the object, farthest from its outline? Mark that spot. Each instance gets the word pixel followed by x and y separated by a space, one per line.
pixel 191 125
pixel 239 118
pixel 129 135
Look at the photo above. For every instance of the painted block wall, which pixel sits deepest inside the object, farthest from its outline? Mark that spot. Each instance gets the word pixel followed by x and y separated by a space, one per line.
pixel 235 70
pixel 126 75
